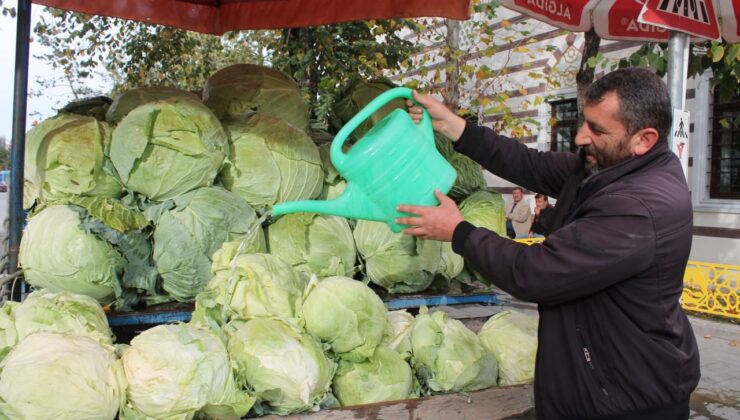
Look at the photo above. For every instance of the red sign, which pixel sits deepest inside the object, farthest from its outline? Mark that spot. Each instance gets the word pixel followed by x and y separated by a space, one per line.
pixel 562 13
pixel 696 17
pixel 623 22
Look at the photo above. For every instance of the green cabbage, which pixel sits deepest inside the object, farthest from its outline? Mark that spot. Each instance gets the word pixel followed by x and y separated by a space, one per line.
pixel 167 148
pixel 94 246
pixel 448 357
pixel 485 209
pixel 242 89
pixel 60 376
pixel 174 371
pixel 398 262
pixel 397 334
pixel 262 286
pixel 356 96
pixel 62 312
pixel 511 337
pixel 285 368
pixel 131 99
pixel 469 174
pixel 314 243
pixel 68 155
pixel 8 335
pixel 385 376
pixel 189 229
pixel 95 107
pixel 346 314
pixel 271 162
pixel 334 183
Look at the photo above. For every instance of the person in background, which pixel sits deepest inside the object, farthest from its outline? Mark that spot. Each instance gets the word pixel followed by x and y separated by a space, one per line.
pixel 613 340
pixel 517 215
pixel 542 214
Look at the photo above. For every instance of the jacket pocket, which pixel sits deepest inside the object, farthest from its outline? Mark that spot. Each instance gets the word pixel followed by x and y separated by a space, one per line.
pixel 588 357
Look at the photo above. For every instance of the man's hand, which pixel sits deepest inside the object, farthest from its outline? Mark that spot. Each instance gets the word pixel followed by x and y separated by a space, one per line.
pixel 443 120
pixel 432 222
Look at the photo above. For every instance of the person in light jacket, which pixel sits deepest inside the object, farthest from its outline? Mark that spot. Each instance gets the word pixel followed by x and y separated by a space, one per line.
pixel 518 215
pixel 613 340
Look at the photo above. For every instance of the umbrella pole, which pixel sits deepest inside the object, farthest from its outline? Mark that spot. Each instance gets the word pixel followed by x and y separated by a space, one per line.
pixel 20 94
pixel 678 62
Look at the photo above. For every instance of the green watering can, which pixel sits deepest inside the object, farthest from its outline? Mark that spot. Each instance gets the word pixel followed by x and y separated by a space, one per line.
pixel 396 162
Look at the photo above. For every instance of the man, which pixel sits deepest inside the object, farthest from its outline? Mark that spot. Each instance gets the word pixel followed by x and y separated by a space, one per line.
pixel 542 213
pixel 517 215
pixel 614 342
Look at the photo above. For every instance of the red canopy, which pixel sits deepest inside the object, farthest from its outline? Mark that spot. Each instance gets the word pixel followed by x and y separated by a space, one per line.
pixel 219 16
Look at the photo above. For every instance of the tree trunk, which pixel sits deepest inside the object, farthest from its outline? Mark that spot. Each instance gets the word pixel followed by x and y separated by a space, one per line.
pixel 451 93
pixel 585 75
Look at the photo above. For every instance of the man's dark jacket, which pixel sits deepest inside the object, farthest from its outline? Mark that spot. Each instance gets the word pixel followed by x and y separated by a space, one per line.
pixel 613 339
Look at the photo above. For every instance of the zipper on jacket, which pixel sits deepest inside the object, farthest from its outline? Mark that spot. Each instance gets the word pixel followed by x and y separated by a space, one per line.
pixel 589 362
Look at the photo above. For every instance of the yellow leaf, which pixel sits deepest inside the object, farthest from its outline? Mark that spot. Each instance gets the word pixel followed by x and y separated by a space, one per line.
pixel 523 91
pixel 521 49
pixel 505 23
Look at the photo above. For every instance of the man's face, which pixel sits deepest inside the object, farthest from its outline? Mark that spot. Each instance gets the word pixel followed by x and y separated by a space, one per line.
pixel 540 202
pixel 603 136
pixel 516 195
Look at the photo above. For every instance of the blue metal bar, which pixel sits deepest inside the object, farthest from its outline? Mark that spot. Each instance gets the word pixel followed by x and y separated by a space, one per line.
pixel 417 301
pixel 18 147
pixel 405 302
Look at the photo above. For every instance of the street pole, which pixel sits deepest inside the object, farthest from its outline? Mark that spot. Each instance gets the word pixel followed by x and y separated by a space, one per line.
pixel 20 94
pixel 678 64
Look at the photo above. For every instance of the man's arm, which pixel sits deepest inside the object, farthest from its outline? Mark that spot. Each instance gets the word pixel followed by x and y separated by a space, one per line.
pixel 544 172
pixel 608 244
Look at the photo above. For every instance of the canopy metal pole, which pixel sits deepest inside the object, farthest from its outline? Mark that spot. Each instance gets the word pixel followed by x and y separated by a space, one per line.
pixel 15 206
pixel 678 64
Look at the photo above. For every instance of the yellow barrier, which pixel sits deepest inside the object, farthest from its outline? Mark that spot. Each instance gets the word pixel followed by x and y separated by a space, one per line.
pixel 708 288
pixel 712 289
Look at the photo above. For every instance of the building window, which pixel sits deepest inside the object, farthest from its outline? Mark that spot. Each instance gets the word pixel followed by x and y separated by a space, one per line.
pixel 725 150
pixel 563 133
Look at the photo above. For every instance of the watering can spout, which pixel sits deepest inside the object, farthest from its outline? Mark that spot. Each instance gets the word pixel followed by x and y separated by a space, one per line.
pixel 352 203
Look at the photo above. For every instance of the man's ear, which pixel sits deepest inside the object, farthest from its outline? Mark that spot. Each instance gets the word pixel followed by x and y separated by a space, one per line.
pixel 644 140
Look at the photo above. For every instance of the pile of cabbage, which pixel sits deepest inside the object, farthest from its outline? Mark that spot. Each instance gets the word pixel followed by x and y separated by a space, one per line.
pixel 130 199
pixel 306 345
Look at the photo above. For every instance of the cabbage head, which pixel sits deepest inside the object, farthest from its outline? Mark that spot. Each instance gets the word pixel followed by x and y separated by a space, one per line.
pixel 8 336
pixel 469 174
pixel 356 96
pixel 397 262
pixel 189 229
pixel 385 376
pixel 258 285
pixel 167 148
pixel 485 209
pixel 334 183
pixel 133 98
pixel 94 246
pixel 242 89
pixel 448 357
pixel 511 337
pixel 285 368
pixel 58 254
pixel 68 155
pixel 61 312
pixel 314 243
pixel 270 162
pixel 175 371
pixel 55 376
pixel 397 334
pixel 346 314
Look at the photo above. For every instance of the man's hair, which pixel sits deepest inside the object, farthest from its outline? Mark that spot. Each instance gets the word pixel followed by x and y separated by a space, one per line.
pixel 644 101
pixel 518 188
pixel 538 196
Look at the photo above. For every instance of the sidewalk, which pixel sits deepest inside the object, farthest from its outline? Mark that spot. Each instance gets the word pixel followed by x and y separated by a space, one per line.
pixel 718 393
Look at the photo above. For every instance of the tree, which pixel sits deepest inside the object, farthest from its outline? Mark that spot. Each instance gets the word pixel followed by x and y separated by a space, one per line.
pixel 479 88
pixel 131 54
pixel 4 153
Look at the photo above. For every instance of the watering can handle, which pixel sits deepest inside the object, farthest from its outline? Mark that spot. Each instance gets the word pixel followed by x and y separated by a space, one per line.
pixel 338 156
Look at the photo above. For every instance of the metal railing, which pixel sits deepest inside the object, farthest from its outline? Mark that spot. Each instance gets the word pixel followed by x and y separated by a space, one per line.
pixel 708 288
